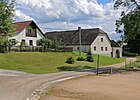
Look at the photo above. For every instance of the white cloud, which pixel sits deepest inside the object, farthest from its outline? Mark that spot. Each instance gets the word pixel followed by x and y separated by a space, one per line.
pixel 68 14
pixel 63 10
pixel 64 25
pixel 20 16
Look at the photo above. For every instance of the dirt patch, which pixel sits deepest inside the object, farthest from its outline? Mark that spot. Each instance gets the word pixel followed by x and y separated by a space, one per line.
pixel 121 86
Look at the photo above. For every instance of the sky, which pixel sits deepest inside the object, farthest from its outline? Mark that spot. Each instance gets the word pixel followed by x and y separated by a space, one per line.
pixel 58 15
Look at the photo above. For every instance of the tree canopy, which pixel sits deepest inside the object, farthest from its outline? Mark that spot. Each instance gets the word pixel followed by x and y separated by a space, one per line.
pixel 6 20
pixel 6 17
pixel 130 20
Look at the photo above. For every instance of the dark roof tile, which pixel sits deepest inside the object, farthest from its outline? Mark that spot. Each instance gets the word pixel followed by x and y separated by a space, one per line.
pixel 72 37
pixel 114 44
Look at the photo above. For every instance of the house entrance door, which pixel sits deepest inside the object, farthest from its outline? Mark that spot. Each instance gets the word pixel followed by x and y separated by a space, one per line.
pixel 117 53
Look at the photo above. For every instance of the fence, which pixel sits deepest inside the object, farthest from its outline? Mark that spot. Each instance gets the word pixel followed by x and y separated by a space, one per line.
pixel 104 70
pixel 40 49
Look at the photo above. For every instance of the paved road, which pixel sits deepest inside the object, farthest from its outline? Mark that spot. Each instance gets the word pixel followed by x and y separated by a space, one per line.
pixel 19 87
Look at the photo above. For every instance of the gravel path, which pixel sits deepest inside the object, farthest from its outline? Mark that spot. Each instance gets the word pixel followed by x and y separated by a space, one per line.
pixel 128 60
pixel 15 85
pixel 120 86
pixel 12 73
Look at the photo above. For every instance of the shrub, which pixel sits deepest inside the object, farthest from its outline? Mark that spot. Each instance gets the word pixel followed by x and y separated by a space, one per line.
pixel 80 59
pixel 1 49
pixel 128 54
pixel 89 57
pixel 73 68
pixel 70 60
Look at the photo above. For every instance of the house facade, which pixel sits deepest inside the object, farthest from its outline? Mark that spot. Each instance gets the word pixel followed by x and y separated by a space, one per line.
pixel 27 33
pixel 95 40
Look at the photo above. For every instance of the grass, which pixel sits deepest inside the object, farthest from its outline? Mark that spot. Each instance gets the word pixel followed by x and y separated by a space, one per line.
pixel 47 62
pixel 104 60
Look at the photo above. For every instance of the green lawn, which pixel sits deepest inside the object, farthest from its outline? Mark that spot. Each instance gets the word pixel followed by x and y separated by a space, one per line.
pixel 40 63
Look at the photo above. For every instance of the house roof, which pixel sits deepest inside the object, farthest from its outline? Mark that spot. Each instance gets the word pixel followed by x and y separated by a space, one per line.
pixel 114 44
pixel 72 37
pixel 20 26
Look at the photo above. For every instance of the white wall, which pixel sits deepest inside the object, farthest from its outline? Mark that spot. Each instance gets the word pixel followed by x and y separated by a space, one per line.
pixel 84 48
pixel 98 44
pixel 22 35
pixel 114 49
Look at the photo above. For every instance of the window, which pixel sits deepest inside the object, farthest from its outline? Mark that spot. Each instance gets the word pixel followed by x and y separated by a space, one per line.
pixel 94 48
pixel 78 48
pixel 31 42
pixel 28 31
pixel 105 48
pixel 31 32
pixel 22 42
pixel 101 48
pixel 101 39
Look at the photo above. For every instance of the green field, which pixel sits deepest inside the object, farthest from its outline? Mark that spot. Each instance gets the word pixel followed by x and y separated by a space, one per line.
pixel 47 62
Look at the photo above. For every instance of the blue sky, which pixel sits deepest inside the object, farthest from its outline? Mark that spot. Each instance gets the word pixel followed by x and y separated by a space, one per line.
pixel 104 1
pixel 54 15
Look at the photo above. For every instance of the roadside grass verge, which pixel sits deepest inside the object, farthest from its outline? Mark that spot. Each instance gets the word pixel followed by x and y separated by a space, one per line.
pixel 135 66
pixel 47 62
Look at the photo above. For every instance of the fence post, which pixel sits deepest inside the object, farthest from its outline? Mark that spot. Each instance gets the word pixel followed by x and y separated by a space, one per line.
pixel 111 70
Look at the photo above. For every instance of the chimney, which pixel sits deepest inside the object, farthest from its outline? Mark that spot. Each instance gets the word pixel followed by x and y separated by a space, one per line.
pixel 79 28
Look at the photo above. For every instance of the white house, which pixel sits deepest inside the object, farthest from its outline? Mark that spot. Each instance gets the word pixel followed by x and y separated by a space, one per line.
pixel 26 32
pixel 95 40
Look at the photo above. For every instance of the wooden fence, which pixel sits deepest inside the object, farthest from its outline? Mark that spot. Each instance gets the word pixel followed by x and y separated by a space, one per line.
pixel 40 49
pixel 104 70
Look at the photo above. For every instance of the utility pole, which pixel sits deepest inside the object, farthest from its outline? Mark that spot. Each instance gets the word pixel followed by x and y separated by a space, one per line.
pixel 79 29
pixel 98 59
pixel 98 62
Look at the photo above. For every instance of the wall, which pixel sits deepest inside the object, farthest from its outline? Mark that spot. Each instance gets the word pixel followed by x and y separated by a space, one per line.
pixel 22 35
pixel 98 44
pixel 84 48
pixel 114 49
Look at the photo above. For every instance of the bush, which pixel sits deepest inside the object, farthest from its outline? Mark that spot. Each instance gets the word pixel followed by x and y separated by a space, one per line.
pixel 70 60
pixel 80 59
pixel 73 68
pixel 89 57
pixel 1 49
pixel 128 54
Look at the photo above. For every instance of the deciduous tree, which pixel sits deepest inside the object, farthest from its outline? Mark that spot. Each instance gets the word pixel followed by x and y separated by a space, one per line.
pixel 130 20
pixel 6 20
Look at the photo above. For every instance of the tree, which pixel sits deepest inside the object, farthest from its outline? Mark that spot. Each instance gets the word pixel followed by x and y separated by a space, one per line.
pixel 130 20
pixel 46 43
pixel 119 42
pixel 89 56
pixel 6 15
